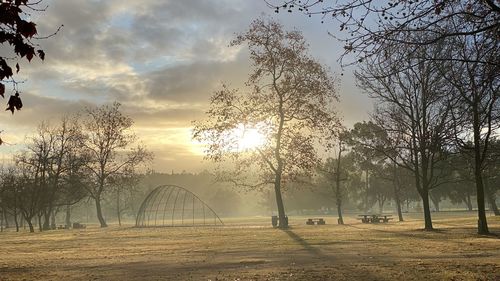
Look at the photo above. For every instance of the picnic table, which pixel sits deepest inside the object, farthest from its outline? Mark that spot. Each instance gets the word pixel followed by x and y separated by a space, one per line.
pixel 318 221
pixel 374 218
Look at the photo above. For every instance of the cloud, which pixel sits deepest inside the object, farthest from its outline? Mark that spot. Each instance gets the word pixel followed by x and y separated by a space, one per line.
pixel 161 59
pixel 194 82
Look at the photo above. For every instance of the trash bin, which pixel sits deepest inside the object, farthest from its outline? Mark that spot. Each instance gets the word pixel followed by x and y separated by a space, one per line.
pixel 274 221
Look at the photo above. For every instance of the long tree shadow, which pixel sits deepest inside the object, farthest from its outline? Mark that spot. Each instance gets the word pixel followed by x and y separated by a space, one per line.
pixel 335 263
pixel 416 233
pixel 436 233
pixel 308 247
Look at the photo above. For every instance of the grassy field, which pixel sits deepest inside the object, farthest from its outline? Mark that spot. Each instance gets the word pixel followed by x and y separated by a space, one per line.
pixel 249 249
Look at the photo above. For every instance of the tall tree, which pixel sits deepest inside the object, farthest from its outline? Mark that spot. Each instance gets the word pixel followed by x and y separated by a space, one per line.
pixel 9 195
pixel 290 97
pixel 48 151
pixel 335 172
pixel 477 87
pixel 492 176
pixel 75 181
pixel 414 109
pixel 107 147
pixel 366 139
pixel 28 191
pixel 124 186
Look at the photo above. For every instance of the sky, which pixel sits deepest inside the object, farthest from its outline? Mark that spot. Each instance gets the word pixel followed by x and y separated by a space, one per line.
pixel 162 60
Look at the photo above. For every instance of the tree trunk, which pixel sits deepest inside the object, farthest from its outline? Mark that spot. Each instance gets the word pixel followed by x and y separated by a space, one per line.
pixel 40 225
pixel 468 201
pixel 16 221
pixel 283 222
pixel 3 218
pixel 53 220
pixel 482 223
pixel 338 192
pixel 99 212
pixel 427 210
pixel 494 206
pixel 339 212
pixel 491 199
pixel 6 219
pixel 398 202
pixel 30 224
pixel 424 194
pixel 46 219
pixel 68 216
pixel 435 202
pixel 118 211
pixel 381 202
pixel 367 186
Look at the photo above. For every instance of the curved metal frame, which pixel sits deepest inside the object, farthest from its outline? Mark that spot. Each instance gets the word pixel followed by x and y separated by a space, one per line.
pixel 154 201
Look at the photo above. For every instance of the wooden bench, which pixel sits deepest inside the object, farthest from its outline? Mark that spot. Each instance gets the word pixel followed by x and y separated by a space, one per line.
pixel 386 218
pixel 77 225
pixel 317 221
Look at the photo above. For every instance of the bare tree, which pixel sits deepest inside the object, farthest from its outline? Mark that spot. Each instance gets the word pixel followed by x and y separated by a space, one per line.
pixel 107 147
pixel 48 153
pixel 477 87
pixel 75 181
pixel 397 188
pixel 34 175
pixel 124 186
pixel 28 191
pixel 365 140
pixel 415 111
pixel 9 195
pixel 336 172
pixel 370 26
pixel 491 175
pixel 289 100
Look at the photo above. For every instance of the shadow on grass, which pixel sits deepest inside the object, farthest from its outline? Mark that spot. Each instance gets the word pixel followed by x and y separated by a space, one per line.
pixel 428 234
pixel 312 250
pixel 493 235
pixel 416 233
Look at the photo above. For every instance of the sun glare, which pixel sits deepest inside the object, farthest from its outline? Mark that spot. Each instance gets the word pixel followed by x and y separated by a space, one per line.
pixel 248 138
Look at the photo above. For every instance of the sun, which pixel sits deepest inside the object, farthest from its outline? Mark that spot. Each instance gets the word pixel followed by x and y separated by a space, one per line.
pixel 248 138
pixel 241 138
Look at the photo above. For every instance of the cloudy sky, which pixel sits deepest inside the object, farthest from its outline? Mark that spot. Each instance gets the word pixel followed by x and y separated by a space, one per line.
pixel 161 60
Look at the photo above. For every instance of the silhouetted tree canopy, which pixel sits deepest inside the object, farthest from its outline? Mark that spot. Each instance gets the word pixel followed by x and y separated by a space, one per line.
pixel 369 26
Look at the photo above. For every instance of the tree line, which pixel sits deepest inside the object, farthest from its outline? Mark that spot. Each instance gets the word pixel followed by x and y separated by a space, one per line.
pixel 84 156
pixel 436 115
pixel 366 175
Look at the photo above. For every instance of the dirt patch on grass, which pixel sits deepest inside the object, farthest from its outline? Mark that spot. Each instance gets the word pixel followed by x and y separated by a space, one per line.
pixel 248 249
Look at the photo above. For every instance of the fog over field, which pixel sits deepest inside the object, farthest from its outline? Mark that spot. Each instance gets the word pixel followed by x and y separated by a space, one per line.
pixel 250 140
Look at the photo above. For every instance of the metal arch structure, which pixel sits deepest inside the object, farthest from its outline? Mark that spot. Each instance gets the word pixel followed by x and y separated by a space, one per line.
pixel 171 205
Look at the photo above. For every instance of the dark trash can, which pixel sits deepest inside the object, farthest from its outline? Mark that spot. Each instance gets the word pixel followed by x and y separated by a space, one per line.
pixel 274 221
